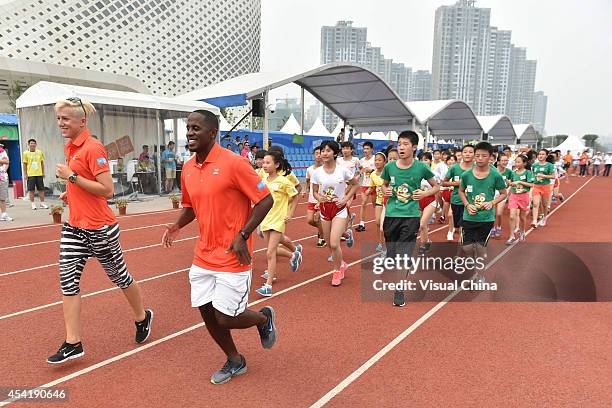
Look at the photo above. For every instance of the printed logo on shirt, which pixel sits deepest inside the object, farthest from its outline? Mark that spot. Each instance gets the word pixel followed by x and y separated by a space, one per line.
pixel 403 193
pixel 469 188
pixel 392 180
pixel 215 172
pixel 479 200
pixel 101 161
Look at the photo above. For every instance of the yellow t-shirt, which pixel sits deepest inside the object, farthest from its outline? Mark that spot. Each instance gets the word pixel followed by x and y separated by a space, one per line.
pixel 261 173
pixel 291 177
pixel 281 189
pixel 34 162
pixel 377 182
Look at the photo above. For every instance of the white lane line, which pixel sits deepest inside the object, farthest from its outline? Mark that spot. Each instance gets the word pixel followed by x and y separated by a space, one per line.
pixel 397 340
pixel 172 336
pixel 21 312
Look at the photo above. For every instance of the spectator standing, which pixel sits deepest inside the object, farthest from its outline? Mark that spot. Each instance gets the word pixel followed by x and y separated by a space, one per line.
pixel 608 164
pixel 34 171
pixel 4 163
pixel 597 160
pixel 169 162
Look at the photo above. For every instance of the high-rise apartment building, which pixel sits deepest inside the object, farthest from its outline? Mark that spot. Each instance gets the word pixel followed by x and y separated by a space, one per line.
pixel 497 73
pixel 420 89
pixel 540 102
pixel 521 81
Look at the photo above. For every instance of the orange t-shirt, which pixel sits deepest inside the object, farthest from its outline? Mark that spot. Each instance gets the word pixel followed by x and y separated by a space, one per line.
pixel 220 191
pixel 87 157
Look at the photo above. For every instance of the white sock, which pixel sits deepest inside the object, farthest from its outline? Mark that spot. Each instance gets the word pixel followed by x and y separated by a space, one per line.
pixel 362 223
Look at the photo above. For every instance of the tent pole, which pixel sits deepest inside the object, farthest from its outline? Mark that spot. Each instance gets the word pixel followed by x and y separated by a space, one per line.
pixel 413 124
pixel 175 132
pixel 266 129
pixel 101 111
pixel 160 129
pixel 302 107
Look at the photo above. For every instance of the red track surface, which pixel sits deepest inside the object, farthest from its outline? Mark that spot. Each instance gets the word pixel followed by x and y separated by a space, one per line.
pixel 464 354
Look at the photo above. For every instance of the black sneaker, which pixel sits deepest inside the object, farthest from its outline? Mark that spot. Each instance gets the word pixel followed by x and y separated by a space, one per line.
pixel 228 371
pixel 360 228
pixel 398 298
pixel 66 352
pixel 267 332
pixel 143 329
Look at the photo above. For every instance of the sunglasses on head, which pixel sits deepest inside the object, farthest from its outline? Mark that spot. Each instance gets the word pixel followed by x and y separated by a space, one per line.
pixel 74 99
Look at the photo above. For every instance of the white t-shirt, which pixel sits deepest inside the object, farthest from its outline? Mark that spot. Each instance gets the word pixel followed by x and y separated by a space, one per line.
pixel 333 184
pixel 309 173
pixel 3 167
pixel 352 164
pixel 440 171
pixel 608 159
pixel 366 163
pixel 597 159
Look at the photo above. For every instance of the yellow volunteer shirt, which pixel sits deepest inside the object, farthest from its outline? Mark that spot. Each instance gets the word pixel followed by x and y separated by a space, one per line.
pixel 377 182
pixel 281 189
pixel 34 162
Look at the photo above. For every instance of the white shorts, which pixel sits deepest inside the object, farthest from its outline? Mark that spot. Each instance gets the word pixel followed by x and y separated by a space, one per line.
pixel 228 291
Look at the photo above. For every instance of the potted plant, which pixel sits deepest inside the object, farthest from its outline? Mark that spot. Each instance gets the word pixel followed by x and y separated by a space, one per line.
pixel 121 204
pixel 175 200
pixel 56 212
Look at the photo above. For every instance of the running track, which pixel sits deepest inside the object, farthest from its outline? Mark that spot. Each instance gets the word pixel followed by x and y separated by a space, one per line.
pixel 333 349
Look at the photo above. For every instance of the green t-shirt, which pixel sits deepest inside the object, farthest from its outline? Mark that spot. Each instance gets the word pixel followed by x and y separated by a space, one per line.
pixel 526 176
pixel 479 191
pixel 454 174
pixel 546 168
pixel 506 175
pixel 404 182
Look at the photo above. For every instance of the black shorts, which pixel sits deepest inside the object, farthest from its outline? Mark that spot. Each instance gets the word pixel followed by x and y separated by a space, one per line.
pixel 476 232
pixel 457 215
pixel 400 235
pixel 36 183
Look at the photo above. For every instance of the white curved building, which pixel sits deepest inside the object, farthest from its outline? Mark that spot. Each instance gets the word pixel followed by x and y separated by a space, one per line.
pixel 165 47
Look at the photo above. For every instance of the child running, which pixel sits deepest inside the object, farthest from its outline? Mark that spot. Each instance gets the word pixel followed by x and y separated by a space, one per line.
pixel 521 182
pixel 464 163
pixel 543 171
pixel 376 183
pixel 477 193
pixel 506 173
pixel 428 206
pixel 312 213
pixel 366 164
pixel 273 226
pixel 402 185
pixel 445 193
pixel 329 188
pixel 351 163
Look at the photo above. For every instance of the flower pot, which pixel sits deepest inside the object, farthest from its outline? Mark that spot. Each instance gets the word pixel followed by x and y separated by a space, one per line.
pixel 57 218
pixel 175 204
pixel 122 210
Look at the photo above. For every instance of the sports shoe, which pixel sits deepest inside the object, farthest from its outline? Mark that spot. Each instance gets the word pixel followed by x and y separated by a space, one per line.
pixel 5 217
pixel 143 329
pixel 321 243
pixel 522 236
pixel 423 248
pixel 351 220
pixel 296 260
pixel 349 239
pixel 298 248
pixel 330 258
pixel 342 270
pixel 511 240
pixel 265 276
pixel 360 228
pixel 265 290
pixel 268 332
pixel 228 371
pixel 449 236
pixel 336 279
pixel 542 222
pixel 379 247
pixel 399 299
pixel 43 205
pixel 66 352
pixel 534 224
pixel 34 206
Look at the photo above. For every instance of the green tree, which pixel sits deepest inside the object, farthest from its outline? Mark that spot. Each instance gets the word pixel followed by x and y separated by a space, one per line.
pixel 589 140
pixel 14 91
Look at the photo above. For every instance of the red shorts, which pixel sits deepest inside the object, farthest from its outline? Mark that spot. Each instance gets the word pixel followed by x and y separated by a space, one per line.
pixel 542 190
pixel 425 201
pixel 311 207
pixel 520 201
pixel 329 210
pixel 446 195
pixel 556 183
pixel 364 189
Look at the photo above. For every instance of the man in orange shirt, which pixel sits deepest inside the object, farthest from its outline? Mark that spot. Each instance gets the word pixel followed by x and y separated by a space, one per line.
pixel 92 229
pixel 218 189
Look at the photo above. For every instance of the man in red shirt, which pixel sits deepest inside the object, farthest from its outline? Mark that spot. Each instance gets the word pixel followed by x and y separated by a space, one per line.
pixel 219 188
pixel 92 229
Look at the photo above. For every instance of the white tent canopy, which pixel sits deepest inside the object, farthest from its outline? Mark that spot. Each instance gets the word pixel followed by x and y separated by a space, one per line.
pixel 318 129
pixel 525 134
pixel 354 93
pixel 451 118
pixel 573 144
pixel 224 125
pixel 291 126
pixel 498 128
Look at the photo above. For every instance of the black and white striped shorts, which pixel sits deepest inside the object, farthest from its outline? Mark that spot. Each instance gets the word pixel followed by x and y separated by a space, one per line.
pixel 77 245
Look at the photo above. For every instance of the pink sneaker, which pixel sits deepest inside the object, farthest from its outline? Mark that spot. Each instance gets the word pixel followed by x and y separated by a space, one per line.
pixel 343 268
pixel 336 279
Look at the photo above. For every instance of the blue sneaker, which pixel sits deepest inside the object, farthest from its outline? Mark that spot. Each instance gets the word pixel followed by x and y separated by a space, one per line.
pixel 228 371
pixel 330 259
pixel 379 247
pixel 265 290
pixel 298 248
pixel 296 260
pixel 268 332
pixel 265 276
pixel 349 238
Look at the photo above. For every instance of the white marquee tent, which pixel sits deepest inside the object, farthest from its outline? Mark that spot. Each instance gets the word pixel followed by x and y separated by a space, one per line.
pixel 291 126
pixel 498 128
pixel 318 129
pixel 573 143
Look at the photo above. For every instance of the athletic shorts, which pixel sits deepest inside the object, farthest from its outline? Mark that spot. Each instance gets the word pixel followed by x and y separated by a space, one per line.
pixel 365 188
pixel 311 207
pixel 446 195
pixel 425 201
pixel 228 291
pixel 476 232
pixel 556 183
pixel 457 215
pixel 36 183
pixel 541 190
pixel 3 190
pixel 519 201
pixel 400 235
pixel 170 174
pixel 329 211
